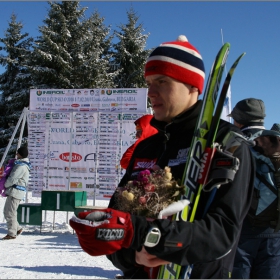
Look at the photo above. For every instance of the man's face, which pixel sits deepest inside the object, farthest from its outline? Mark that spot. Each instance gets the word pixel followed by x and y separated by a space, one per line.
pixel 169 97
pixel 138 133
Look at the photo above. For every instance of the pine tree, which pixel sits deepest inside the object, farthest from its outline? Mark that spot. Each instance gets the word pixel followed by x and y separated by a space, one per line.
pixel 93 71
pixel 130 55
pixel 69 53
pixel 16 79
pixel 52 60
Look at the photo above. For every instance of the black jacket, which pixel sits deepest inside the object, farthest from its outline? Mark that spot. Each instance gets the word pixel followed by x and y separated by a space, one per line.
pixel 207 240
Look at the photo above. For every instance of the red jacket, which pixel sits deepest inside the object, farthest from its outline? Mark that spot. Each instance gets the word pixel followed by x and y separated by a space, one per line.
pixel 147 130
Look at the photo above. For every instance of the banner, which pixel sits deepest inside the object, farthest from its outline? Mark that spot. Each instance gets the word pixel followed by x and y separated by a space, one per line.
pixel 89 100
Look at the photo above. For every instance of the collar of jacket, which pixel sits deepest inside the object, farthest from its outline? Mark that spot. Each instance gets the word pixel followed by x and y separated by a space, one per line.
pixel 188 118
pixel 23 161
pixel 252 132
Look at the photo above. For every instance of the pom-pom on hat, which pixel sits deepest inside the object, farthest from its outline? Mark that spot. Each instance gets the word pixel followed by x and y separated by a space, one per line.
pixel 23 152
pixel 179 60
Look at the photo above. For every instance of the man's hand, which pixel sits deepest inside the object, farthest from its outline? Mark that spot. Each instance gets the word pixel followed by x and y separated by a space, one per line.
pixel 148 260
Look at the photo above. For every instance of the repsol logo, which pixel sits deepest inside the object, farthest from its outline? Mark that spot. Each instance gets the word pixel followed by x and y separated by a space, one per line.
pixel 110 234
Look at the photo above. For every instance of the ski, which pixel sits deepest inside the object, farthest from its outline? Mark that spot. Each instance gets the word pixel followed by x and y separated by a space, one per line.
pixel 186 271
pixel 219 108
pixel 192 167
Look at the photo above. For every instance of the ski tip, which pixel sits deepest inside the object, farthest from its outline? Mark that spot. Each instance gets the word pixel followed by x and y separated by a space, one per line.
pixel 240 57
pixel 227 45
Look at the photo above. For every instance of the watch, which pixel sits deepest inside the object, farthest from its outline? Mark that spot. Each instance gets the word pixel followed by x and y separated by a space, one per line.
pixel 152 237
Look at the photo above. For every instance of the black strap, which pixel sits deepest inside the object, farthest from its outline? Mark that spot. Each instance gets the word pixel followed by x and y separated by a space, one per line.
pixel 264 181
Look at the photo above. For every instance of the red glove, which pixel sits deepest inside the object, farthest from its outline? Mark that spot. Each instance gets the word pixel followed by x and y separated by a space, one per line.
pixel 103 232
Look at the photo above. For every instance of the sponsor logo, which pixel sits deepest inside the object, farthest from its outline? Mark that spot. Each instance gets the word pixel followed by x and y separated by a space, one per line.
pixel 76 169
pixel 41 92
pixel 91 156
pixel 75 105
pixel 56 185
pixel 125 91
pixel 76 185
pixel 144 163
pixel 110 234
pixel 66 156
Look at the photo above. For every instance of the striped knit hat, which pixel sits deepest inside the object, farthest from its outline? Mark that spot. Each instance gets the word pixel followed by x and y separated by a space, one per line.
pixel 178 60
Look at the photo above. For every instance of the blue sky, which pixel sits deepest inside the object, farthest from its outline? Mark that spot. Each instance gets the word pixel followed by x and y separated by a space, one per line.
pixel 251 27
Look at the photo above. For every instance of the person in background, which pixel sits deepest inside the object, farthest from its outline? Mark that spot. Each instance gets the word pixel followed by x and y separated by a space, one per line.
pixel 175 75
pixel 258 251
pixel 143 130
pixel 248 115
pixel 16 186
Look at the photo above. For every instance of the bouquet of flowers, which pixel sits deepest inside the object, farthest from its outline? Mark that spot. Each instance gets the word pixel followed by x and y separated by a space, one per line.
pixel 150 194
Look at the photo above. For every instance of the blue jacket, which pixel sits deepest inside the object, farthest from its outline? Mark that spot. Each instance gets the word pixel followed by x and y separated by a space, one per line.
pixel 266 169
pixel 263 211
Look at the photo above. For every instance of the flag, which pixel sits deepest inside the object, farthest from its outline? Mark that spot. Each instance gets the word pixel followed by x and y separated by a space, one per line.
pixel 227 107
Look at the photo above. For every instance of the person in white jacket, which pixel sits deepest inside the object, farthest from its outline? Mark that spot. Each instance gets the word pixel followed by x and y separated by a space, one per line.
pixel 16 186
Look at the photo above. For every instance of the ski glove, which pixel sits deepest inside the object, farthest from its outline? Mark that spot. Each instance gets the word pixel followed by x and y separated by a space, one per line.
pixel 103 232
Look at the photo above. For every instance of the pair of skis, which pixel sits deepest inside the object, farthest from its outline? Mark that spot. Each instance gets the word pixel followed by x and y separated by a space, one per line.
pixel 204 137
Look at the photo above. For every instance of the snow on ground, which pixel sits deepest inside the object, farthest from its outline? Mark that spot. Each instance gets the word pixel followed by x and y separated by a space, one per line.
pixel 50 253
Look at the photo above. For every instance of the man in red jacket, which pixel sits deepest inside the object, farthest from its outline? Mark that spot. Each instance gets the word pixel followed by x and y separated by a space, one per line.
pixel 143 130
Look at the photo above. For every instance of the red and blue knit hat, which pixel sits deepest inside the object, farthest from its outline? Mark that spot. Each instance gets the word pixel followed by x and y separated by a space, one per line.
pixel 178 60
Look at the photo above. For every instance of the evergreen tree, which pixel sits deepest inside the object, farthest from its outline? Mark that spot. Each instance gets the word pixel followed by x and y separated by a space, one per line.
pixel 93 71
pixel 130 55
pixel 15 81
pixel 69 52
pixel 52 56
